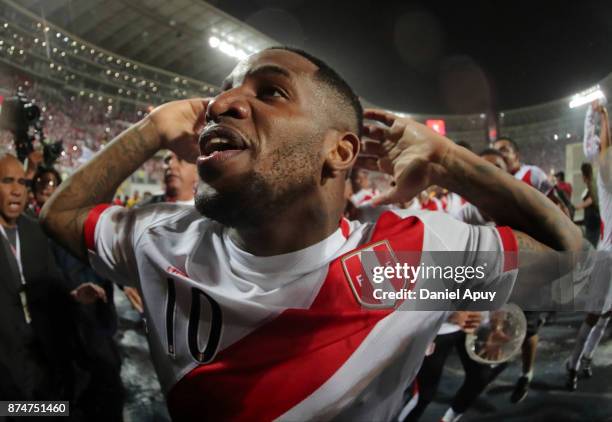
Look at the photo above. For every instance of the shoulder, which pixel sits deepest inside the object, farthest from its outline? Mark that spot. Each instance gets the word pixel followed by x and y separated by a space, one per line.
pixel 155 199
pixel 115 220
pixel 431 230
pixel 535 170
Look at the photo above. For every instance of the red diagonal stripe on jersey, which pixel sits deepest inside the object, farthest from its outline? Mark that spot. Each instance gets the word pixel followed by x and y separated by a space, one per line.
pixel 527 178
pixel 277 366
pixel 345 226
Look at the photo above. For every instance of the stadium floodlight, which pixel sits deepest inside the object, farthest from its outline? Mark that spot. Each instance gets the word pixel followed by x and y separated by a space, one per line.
pixel 227 48
pixel 585 97
pixel 214 42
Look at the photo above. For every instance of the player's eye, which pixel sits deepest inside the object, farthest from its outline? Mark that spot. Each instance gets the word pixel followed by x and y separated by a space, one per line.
pixel 271 92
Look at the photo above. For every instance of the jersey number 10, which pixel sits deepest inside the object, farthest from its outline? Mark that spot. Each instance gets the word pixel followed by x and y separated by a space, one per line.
pixel 202 356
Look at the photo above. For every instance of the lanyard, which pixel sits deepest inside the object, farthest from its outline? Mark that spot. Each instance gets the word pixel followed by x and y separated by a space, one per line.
pixel 17 253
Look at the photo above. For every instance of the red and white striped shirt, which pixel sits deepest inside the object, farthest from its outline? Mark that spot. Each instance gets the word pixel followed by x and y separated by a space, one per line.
pixel 534 176
pixel 242 337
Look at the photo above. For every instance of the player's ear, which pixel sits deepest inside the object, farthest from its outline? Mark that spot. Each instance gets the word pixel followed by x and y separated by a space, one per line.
pixel 341 150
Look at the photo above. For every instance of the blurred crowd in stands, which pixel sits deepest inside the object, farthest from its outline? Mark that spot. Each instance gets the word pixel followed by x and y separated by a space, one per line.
pixel 95 126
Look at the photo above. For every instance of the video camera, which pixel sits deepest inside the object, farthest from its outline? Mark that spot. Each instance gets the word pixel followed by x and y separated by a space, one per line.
pixel 23 118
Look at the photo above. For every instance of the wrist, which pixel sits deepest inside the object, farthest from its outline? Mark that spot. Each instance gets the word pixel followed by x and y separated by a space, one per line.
pixel 148 134
pixel 441 160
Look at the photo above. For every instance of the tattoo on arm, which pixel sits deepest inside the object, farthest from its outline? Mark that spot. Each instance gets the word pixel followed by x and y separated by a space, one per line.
pixel 529 244
pixel 509 201
pixel 65 213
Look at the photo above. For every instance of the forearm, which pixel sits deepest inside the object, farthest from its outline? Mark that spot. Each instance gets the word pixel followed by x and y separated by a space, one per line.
pixel 64 214
pixel 507 200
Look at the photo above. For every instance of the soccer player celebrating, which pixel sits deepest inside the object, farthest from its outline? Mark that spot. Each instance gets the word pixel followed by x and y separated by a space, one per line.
pixel 251 309
pixel 535 177
pixel 598 150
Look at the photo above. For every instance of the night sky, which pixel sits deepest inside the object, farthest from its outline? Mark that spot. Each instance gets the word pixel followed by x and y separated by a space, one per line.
pixel 446 56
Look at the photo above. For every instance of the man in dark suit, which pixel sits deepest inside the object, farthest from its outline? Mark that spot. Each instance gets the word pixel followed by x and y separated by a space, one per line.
pixel 36 334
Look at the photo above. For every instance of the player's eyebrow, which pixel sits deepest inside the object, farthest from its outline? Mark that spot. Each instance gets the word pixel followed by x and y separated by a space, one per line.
pixel 269 69
pixel 263 70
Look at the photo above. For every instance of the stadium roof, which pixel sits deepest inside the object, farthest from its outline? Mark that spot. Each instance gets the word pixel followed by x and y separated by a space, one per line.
pixel 172 35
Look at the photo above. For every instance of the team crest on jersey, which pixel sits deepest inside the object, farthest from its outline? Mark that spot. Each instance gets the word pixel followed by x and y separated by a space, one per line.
pixel 359 269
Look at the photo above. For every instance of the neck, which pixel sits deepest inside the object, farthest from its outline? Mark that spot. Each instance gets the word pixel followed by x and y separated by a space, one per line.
pixel 515 168
pixel 180 196
pixel 296 228
pixel 7 222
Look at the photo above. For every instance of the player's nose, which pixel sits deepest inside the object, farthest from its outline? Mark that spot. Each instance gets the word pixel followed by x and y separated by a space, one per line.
pixel 231 103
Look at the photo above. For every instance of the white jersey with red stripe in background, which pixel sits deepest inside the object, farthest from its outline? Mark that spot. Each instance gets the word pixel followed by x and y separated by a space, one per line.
pixel 454 203
pixel 242 337
pixel 363 196
pixel 534 176
pixel 591 146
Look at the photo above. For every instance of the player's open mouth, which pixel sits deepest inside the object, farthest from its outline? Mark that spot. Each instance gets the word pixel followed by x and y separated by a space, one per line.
pixel 220 143
pixel 14 206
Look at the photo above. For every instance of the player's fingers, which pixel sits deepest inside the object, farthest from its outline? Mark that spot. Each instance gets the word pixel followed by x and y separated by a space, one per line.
pixel 389 145
pixel 380 116
pixel 377 132
pixel 394 153
pixel 373 148
pixel 138 302
pixel 200 107
pixel 100 293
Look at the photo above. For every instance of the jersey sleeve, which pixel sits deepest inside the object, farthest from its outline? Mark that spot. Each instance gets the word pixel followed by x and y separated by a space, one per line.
pixel 590 142
pixel 492 249
pixel 469 214
pixel 110 233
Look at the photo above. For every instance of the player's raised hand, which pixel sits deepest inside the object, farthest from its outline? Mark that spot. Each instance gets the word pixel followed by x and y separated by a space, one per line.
pixel 178 124
pixel 407 150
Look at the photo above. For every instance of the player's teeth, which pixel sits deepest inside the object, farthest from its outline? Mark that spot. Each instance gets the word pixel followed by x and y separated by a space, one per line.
pixel 219 141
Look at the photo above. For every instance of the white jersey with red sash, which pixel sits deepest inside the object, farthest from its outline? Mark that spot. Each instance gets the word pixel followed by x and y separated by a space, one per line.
pixel 235 336
pixel 591 147
pixel 534 176
pixel 363 196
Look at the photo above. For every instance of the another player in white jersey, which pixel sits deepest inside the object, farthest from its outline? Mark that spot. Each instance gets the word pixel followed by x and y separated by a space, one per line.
pixel 253 310
pixel 535 177
pixel 532 175
pixel 451 334
pixel 598 150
